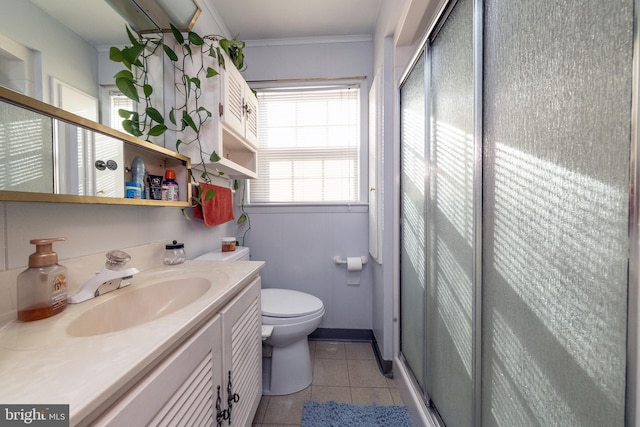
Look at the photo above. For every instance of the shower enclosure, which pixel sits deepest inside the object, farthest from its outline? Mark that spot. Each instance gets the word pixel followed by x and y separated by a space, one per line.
pixel 516 184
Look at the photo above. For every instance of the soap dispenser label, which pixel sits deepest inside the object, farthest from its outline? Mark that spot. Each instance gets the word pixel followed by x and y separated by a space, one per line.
pixel 59 291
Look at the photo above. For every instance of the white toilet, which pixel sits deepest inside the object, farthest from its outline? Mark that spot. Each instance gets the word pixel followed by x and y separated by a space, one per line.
pixel 288 317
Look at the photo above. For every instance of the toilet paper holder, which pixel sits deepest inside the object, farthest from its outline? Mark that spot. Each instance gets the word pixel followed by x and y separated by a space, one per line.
pixel 339 260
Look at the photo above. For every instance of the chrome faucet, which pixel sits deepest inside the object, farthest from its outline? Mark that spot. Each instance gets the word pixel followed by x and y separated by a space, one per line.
pixel 111 277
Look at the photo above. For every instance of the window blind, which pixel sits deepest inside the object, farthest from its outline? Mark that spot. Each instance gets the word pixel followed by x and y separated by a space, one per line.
pixel 309 141
pixel 118 101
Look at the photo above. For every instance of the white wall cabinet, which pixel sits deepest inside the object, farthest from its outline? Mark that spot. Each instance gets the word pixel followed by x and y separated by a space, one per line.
pixel 233 131
pixel 213 378
pixel 239 105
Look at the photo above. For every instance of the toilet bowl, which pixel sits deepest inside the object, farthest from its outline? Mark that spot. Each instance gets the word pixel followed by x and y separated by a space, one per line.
pixel 294 315
pixel 288 317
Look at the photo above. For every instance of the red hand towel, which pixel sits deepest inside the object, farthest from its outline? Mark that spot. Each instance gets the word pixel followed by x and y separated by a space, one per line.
pixel 217 210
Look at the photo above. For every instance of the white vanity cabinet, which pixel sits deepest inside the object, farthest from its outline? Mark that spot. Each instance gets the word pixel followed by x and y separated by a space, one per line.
pixel 191 387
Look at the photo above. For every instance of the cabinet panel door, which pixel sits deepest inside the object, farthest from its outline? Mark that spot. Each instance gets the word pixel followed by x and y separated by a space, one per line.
pixel 251 117
pixel 242 337
pixel 232 114
pixel 179 391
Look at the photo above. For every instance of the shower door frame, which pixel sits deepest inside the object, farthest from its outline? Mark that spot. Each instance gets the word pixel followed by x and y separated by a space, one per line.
pixel 632 404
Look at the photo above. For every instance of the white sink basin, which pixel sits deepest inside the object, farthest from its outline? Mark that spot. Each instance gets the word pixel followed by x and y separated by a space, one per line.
pixel 138 306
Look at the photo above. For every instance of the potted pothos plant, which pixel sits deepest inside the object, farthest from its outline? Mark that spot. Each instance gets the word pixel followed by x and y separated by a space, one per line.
pixel 193 57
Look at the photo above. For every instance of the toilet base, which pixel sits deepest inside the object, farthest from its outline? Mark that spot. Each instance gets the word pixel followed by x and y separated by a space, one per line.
pixel 288 370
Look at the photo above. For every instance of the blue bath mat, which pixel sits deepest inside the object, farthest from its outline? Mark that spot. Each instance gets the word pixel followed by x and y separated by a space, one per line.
pixel 332 414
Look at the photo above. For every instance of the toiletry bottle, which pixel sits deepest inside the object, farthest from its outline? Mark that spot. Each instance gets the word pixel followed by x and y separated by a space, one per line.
pixel 138 171
pixel 42 288
pixel 170 186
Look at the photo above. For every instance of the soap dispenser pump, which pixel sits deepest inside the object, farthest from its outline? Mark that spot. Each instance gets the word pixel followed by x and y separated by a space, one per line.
pixel 42 288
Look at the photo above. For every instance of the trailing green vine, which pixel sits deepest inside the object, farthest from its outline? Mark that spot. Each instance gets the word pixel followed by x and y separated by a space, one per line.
pixel 193 58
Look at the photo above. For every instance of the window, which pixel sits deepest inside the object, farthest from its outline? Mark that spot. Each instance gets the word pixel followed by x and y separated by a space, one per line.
pixel 118 101
pixel 309 145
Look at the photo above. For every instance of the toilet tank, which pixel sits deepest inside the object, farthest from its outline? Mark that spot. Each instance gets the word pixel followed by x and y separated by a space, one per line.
pixel 240 254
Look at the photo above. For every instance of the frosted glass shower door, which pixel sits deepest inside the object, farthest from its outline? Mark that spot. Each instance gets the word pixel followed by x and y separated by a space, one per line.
pixel 412 211
pixel 557 109
pixel 450 215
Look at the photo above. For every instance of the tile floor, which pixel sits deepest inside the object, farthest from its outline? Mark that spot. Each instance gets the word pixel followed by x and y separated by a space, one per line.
pixel 345 372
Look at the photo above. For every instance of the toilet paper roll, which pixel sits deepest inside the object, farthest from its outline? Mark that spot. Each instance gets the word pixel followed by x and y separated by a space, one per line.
pixel 354 267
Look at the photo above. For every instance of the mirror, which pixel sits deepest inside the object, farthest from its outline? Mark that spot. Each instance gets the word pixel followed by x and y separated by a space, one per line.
pixel 48 154
pixel 46 45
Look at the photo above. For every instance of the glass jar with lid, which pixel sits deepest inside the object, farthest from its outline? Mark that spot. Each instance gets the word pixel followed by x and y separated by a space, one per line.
pixel 174 253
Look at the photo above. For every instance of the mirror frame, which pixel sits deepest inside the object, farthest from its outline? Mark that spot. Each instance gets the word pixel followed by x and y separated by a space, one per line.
pixel 178 161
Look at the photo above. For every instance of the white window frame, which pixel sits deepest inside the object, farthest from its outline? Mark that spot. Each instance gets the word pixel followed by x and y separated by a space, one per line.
pixel 362 83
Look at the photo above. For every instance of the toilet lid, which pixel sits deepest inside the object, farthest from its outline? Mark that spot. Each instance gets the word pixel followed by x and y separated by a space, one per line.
pixel 288 303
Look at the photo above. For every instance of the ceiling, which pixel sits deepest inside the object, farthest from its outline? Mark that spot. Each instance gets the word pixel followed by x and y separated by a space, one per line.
pixel 96 22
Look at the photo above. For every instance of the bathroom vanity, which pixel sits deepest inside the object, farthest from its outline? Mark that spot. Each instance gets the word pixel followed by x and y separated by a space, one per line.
pixel 181 343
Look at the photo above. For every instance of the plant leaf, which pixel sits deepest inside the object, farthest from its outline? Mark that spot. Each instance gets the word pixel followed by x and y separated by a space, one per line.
pixel 148 90
pixel 211 193
pixel 196 82
pixel 155 115
pixel 115 54
pixel 127 88
pixel 177 34
pixel 188 120
pixel 132 53
pixel 214 157
pixel 157 130
pixel 195 39
pixel 204 110
pixel 211 72
pixel 185 214
pixel 125 114
pixel 242 219
pixel 170 53
pixel 126 74
pixel 235 184
pixel 132 38
pixel 178 144
pixel 172 116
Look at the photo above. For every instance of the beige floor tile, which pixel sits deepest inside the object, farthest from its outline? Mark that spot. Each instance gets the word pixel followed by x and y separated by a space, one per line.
pixel 262 409
pixel 332 372
pixel 322 393
pixel 369 396
pixel 395 395
pixel 359 350
pixel 286 409
pixel 330 350
pixel 365 373
pixel 392 382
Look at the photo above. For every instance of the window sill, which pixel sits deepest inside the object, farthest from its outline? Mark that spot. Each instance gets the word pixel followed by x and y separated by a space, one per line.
pixel 307 208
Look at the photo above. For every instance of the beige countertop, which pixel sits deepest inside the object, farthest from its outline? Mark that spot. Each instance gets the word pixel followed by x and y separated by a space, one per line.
pixel 40 363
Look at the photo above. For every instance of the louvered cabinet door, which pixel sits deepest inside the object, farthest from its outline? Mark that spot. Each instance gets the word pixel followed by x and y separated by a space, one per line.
pixel 250 117
pixel 181 391
pixel 242 348
pixel 232 111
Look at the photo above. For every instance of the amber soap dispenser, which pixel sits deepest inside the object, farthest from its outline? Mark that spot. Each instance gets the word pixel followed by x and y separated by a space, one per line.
pixel 42 288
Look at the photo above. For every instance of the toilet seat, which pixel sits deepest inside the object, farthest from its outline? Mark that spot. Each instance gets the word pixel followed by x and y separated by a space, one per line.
pixel 287 303
pixel 291 321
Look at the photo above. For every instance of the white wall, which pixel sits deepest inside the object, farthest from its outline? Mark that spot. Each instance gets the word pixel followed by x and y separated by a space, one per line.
pixel 298 244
